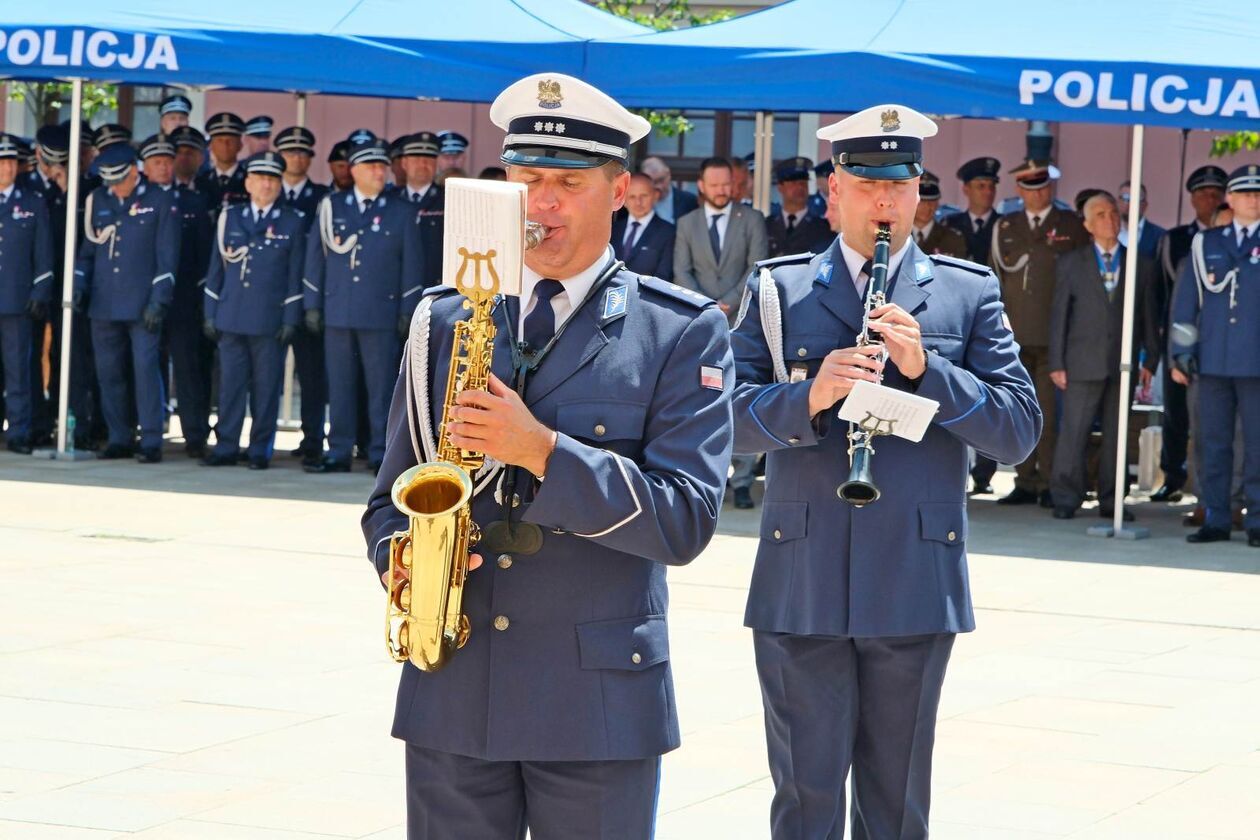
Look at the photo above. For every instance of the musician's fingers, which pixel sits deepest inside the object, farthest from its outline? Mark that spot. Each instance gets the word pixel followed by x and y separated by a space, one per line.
pixel 891 312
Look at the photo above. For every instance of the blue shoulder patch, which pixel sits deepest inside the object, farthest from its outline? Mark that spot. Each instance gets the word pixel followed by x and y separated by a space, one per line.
pixel 957 262
pixel 676 292
pixel 790 259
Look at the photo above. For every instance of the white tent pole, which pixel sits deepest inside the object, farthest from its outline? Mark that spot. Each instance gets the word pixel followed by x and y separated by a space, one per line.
pixel 1126 334
pixel 286 396
pixel 301 110
pixel 763 146
pixel 67 274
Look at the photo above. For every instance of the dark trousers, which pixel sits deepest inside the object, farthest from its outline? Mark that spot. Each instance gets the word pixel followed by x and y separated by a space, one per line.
pixel 15 354
pixel 44 403
pixel 351 355
pixel 451 797
pixel 832 704
pixel 308 363
pixel 1082 402
pixel 1221 399
pixel 251 367
pixel 1176 432
pixel 1034 473
pixel 983 470
pixel 192 357
pixel 85 388
pixel 118 344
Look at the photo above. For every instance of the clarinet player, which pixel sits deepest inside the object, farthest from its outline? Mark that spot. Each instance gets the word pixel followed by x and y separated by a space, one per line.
pixel 854 610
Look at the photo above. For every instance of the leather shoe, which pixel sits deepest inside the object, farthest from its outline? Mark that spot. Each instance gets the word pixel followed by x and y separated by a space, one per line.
pixel 743 498
pixel 259 463
pixel 1194 518
pixel 1166 494
pixel 980 489
pixel 1018 496
pixel 115 451
pixel 149 455
pixel 21 447
pixel 195 450
pixel 1045 499
pixel 327 466
pixel 1253 537
pixel 1109 513
pixel 216 460
pixel 1064 512
pixel 1208 534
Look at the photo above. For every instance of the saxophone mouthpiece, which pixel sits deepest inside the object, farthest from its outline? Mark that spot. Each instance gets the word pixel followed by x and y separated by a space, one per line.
pixel 535 233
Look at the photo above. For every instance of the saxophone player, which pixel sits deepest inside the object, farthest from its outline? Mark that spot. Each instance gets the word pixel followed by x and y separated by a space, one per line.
pixel 854 610
pixel 608 404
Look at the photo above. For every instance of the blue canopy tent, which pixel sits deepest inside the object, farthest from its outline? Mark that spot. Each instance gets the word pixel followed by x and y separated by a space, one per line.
pixel 1180 63
pixel 467 51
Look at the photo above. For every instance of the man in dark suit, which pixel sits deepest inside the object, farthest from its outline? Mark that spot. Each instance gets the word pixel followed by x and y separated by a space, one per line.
pixel 929 235
pixel 1149 233
pixel 1086 321
pixel 640 238
pixel 673 203
pixel 1206 186
pixel 794 228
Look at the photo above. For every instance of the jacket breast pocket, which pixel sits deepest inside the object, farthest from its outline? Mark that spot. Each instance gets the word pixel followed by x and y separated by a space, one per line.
pixel 616 425
pixel 944 344
pixel 808 349
pixel 623 644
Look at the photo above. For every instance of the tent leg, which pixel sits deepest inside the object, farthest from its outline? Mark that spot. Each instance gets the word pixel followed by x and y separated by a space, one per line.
pixel 763 150
pixel 1117 528
pixel 286 398
pixel 301 110
pixel 67 287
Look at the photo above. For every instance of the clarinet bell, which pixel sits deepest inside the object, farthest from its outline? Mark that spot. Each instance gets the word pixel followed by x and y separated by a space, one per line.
pixel 860 489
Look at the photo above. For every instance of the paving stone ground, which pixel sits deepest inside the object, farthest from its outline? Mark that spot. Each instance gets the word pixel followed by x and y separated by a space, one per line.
pixel 195 654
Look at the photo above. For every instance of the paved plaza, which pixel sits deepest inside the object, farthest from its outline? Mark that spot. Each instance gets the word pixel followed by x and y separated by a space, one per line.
pixel 196 654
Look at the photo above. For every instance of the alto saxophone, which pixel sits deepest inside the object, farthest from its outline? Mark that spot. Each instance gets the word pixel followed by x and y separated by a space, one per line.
pixel 424 622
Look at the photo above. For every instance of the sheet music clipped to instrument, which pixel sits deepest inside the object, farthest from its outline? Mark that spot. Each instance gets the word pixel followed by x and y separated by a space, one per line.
pixel 484 217
pixel 898 413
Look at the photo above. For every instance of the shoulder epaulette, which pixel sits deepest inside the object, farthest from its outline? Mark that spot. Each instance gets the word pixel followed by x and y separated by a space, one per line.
pixel 674 291
pixel 790 259
pixel 439 289
pixel 958 262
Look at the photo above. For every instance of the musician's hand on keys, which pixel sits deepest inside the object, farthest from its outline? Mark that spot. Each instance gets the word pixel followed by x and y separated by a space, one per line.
pixel 401 574
pixel 840 371
pixel 899 332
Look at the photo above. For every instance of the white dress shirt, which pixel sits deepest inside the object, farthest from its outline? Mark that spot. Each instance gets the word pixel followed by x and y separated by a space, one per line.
pixel 226 173
pixel 922 233
pixel 1243 232
pixel 854 262
pixel 7 192
pixel 257 212
pixel 566 302
pixel 983 220
pixel 414 196
pixel 359 198
pixel 1035 219
pixel 724 219
pixel 292 191
pixel 638 232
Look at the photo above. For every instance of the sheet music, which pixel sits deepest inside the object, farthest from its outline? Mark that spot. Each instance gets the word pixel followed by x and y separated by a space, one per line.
pixel 899 413
pixel 484 216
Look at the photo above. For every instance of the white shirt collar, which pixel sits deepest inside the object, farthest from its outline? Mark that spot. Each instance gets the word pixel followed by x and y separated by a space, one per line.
pixel 710 211
pixel 257 211
pixel 984 219
pixel 1245 231
pixel 228 172
pixel 1035 218
pixel 416 195
pixel 8 191
pixel 926 230
pixel 286 189
pixel 575 291
pixel 359 197
pixel 643 223
pixel 799 214
pixel 854 261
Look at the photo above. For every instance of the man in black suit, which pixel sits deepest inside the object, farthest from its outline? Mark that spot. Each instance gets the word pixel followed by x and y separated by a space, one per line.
pixel 640 238
pixel 673 203
pixel 791 227
pixel 979 178
pixel 1086 320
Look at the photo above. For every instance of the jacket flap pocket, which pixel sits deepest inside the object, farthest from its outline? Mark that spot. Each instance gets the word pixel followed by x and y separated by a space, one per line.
pixel 801 347
pixel 629 644
pixel 601 420
pixel 783 521
pixel 947 345
pixel 944 522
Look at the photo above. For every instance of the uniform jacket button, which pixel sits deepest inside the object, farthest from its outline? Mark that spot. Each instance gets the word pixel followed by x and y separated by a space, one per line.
pixel 505 561
pixel 636 658
pixel 794 440
pixel 951 536
pixel 356 279
pixel 599 430
pixel 802 352
pixel 778 535
pixel 501 622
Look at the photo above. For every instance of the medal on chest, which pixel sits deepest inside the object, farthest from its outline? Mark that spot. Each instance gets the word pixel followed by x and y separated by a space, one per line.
pixel 376 224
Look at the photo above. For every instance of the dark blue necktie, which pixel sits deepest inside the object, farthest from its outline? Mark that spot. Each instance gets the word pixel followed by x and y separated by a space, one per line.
pixel 715 239
pixel 540 323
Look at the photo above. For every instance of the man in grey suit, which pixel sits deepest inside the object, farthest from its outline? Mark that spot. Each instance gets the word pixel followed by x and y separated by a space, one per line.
pixel 715 249
pixel 1085 335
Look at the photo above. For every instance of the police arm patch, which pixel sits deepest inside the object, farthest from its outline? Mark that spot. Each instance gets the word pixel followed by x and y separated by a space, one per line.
pixel 711 377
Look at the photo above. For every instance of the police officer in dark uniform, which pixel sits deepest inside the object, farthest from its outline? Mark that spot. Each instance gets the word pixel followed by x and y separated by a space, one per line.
pixel 223 183
pixel 854 610
pixel 26 286
pixel 173 113
pixel 363 278
pixel 931 236
pixel 1206 186
pixel 555 714
pixel 257 135
pixel 182 335
pixel 339 166
pixel 418 159
pixel 253 306
pixel 794 228
pixel 1215 321
pixel 297 146
pixel 125 279
pixel 818 199
pixel 452 147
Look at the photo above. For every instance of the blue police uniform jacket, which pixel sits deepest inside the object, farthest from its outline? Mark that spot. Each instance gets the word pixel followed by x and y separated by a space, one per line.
pixel 897 566
pixel 134 265
pixel 222 191
pixel 1227 320
pixel 306 202
pixel 196 233
pixel 26 251
pixel 255 280
pixel 376 280
pixel 634 485
pixel 430 217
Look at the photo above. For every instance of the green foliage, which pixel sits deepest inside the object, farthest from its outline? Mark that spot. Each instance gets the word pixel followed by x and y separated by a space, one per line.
pixel 662 15
pixel 1231 144
pixel 44 98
